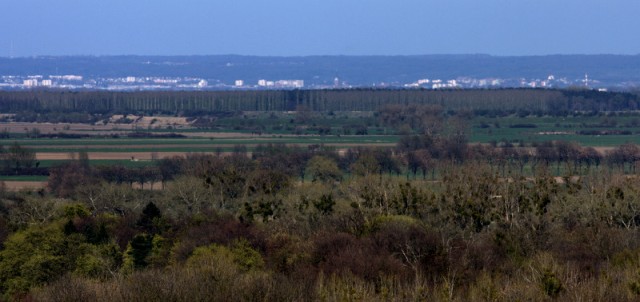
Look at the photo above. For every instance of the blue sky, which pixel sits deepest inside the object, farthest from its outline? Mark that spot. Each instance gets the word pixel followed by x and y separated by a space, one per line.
pixel 318 27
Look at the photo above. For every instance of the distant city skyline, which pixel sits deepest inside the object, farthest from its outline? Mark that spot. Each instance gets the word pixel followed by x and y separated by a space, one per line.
pixel 616 72
pixel 328 27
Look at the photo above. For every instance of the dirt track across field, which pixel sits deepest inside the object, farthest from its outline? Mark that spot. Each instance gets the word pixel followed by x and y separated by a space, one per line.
pixel 603 150
pixel 108 129
pixel 12 185
pixel 110 155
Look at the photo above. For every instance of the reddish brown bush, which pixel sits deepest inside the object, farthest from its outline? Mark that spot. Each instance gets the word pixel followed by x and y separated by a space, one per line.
pixel 409 242
pixel 342 253
pixel 4 230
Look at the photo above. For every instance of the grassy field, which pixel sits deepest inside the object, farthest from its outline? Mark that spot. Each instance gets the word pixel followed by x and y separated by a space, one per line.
pixel 480 129
pixel 101 162
pixel 537 129
pixel 119 145
pixel 29 178
pixel 528 137
pixel 290 139
pixel 108 149
pixel 280 129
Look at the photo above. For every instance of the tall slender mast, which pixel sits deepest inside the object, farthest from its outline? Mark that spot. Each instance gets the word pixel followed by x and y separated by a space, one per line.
pixel 586 80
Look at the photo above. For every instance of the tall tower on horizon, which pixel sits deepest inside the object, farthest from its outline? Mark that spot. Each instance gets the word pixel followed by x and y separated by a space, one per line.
pixel 586 80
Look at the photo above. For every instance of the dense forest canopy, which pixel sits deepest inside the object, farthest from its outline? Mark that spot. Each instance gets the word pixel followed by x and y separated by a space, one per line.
pixel 240 227
pixel 501 101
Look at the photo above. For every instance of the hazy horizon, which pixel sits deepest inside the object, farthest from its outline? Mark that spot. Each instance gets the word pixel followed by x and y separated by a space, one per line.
pixel 314 55
pixel 318 28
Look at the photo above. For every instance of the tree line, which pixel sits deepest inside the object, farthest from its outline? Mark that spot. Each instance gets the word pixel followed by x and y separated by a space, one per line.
pixel 415 154
pixel 76 104
pixel 18 160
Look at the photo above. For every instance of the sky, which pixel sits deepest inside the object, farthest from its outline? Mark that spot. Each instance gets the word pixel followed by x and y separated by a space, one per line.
pixel 318 27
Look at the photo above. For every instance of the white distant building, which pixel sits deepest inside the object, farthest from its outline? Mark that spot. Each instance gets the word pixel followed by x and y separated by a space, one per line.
pixel 203 84
pixel 46 83
pixel 290 83
pixel 30 83
pixel 439 84
pixel 130 79
pixel 71 77
pixel 239 83
pixel 280 83
pixel 423 81
pixel 165 81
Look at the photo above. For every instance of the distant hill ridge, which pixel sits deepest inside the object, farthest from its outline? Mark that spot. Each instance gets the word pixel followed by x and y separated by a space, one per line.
pixel 322 70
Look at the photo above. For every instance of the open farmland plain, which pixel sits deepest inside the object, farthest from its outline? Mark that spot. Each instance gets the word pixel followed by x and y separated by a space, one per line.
pixel 57 128
pixel 110 144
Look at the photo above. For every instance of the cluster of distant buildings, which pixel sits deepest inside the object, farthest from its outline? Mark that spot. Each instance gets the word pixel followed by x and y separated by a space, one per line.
pixel 72 82
pixel 9 82
pixel 280 84
pixel 434 84
pixel 40 81
pixel 466 82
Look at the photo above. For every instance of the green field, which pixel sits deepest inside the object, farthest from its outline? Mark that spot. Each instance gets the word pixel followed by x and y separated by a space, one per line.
pixel 622 129
pixel 485 130
pixel 101 162
pixel 23 178
pixel 189 144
